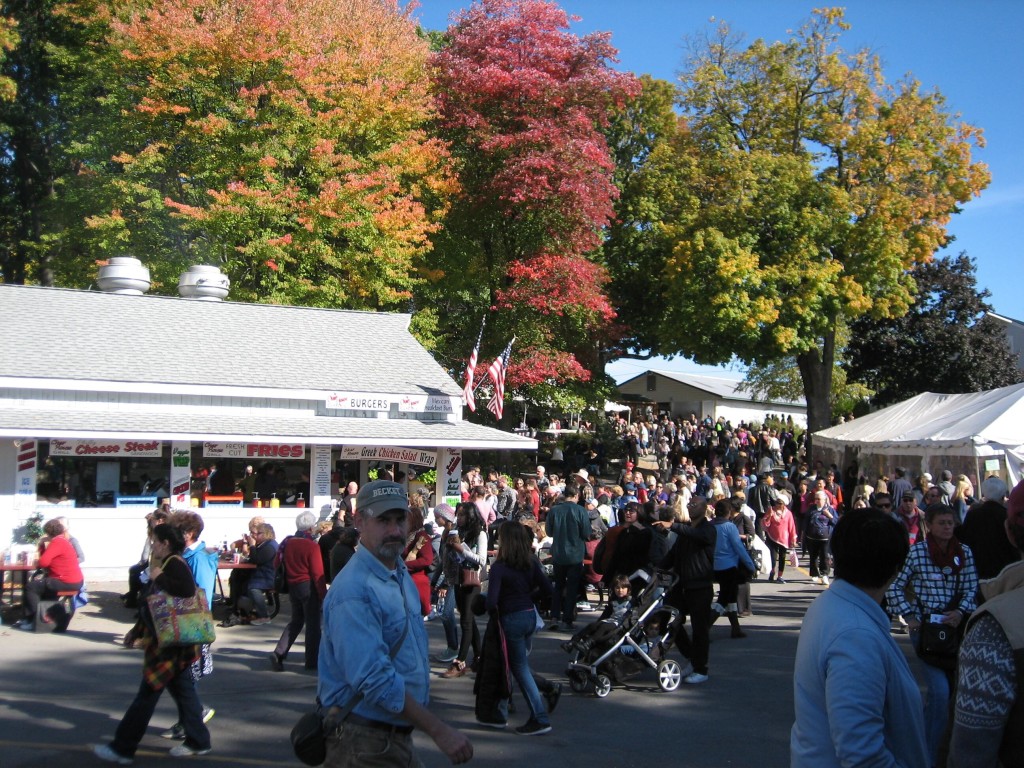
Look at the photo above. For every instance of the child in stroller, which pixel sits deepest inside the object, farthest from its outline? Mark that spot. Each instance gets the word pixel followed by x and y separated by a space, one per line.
pixel 598 633
pixel 632 634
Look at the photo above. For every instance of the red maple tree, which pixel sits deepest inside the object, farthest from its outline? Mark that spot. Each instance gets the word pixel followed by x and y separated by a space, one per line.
pixel 522 101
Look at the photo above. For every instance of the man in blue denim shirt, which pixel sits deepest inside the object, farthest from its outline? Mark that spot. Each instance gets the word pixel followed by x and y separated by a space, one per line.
pixel 374 647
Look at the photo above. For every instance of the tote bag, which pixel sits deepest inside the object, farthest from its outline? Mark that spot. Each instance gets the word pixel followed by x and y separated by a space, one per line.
pixel 181 620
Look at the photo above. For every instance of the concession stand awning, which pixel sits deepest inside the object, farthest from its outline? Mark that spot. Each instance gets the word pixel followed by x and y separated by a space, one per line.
pixel 109 402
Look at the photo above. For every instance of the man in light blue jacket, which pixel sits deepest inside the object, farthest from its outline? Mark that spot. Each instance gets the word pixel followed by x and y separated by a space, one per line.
pixel 856 700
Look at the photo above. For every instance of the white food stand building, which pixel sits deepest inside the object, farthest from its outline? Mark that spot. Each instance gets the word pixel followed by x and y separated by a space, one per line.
pixel 108 402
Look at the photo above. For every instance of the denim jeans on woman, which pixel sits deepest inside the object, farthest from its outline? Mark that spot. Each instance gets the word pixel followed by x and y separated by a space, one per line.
pixel 519 628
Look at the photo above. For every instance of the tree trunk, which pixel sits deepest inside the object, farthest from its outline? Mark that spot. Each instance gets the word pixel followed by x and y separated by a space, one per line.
pixel 816 373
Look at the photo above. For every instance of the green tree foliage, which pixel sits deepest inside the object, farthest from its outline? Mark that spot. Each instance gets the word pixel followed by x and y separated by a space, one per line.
pixel 39 81
pixel 633 250
pixel 803 193
pixel 945 343
pixel 780 380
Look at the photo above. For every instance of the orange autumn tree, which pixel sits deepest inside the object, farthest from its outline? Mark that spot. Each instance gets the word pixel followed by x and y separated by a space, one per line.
pixel 280 139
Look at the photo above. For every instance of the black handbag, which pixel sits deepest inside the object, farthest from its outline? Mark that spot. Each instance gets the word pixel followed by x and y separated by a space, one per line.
pixel 308 739
pixel 939 644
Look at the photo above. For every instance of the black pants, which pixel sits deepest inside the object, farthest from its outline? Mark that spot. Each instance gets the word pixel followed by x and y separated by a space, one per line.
pixel 728 586
pixel 695 603
pixel 46 588
pixel 817 549
pixel 779 554
pixel 467 620
pixel 305 613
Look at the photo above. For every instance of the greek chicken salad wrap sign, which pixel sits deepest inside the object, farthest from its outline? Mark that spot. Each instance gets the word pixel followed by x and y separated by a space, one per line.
pixel 382 453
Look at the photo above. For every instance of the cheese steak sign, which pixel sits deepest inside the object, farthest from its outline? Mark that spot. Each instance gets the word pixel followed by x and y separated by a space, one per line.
pixel 106 448
pixel 376 401
pixel 381 453
pixel 253 451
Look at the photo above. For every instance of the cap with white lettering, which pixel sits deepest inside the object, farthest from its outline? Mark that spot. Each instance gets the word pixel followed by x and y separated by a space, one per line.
pixel 380 496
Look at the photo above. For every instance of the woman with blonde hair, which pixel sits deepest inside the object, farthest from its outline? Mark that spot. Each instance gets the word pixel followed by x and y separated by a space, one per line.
pixel 963 496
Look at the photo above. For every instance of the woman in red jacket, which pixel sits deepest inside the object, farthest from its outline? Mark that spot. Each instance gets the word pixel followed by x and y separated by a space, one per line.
pixel 419 556
pixel 307 587
pixel 60 561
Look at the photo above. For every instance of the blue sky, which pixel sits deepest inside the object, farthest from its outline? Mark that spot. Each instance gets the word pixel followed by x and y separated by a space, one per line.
pixel 970 51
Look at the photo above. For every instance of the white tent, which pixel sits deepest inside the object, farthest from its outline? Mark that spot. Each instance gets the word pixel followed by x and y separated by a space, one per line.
pixel 986 428
pixel 609 407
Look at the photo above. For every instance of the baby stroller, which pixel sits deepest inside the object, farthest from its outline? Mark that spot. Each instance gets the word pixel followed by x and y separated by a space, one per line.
pixel 645 634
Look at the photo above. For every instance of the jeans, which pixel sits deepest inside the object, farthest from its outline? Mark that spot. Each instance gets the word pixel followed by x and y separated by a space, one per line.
pixel 567 588
pixel 190 714
pixel 936 703
pixel 451 627
pixel 356 746
pixel 519 628
pixel 470 631
pixel 305 612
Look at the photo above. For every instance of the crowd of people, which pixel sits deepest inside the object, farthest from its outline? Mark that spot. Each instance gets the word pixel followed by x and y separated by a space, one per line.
pixel 517 556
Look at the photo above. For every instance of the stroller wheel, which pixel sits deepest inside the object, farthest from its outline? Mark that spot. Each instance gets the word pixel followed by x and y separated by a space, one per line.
pixel 577 680
pixel 669 674
pixel 602 686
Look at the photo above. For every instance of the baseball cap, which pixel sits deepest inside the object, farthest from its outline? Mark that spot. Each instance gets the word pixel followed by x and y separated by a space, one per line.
pixel 380 496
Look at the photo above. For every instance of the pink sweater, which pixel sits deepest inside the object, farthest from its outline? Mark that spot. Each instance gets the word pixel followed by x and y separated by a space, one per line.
pixel 781 530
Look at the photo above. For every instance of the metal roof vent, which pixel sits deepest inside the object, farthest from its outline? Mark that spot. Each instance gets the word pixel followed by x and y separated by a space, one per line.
pixel 204 283
pixel 123 274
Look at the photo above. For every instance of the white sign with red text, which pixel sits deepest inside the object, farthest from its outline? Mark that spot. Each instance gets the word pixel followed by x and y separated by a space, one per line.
pixel 181 474
pixel 106 449
pixel 25 493
pixel 360 401
pixel 376 401
pixel 383 453
pixel 449 476
pixel 254 451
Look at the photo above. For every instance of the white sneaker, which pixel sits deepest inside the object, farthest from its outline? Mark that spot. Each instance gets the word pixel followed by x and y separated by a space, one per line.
pixel 824 580
pixel 694 678
pixel 103 752
pixel 182 751
pixel 816 579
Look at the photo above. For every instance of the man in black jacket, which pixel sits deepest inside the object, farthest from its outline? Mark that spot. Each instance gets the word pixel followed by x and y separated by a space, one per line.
pixel 693 560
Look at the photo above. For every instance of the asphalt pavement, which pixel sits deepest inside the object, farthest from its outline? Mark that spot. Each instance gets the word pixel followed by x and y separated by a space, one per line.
pixel 59 694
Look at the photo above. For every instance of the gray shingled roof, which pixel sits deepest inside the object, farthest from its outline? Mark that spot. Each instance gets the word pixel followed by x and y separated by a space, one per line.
pixel 89 335
pixel 199 426
pixel 726 389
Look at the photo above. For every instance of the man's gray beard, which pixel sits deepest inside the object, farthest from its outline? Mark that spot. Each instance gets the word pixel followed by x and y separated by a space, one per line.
pixel 391 550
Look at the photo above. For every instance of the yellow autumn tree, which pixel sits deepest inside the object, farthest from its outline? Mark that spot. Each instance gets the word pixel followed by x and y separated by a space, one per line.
pixel 800 192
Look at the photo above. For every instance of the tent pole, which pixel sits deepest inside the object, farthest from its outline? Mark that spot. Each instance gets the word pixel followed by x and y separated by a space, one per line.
pixel 977 474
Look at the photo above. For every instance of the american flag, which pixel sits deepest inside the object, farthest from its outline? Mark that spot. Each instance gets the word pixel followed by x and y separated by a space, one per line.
pixel 467 391
pixel 497 374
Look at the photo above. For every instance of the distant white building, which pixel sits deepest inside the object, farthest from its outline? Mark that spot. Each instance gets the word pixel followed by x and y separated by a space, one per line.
pixel 1014 336
pixel 684 393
